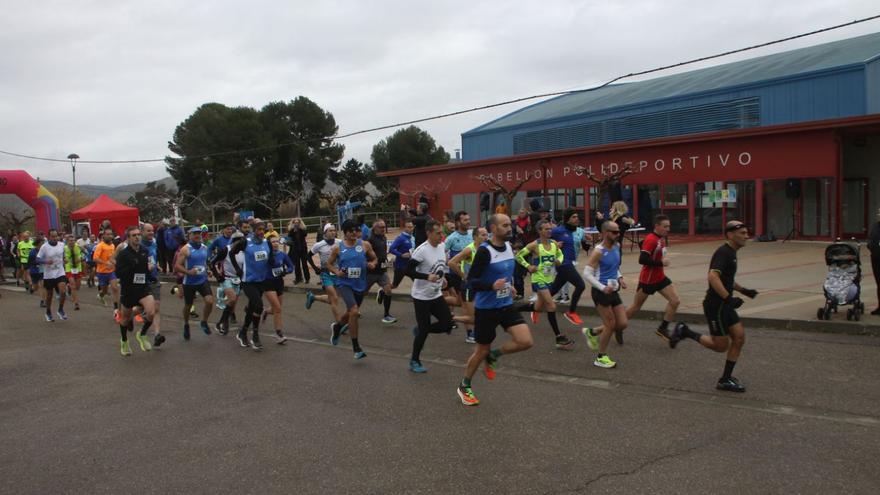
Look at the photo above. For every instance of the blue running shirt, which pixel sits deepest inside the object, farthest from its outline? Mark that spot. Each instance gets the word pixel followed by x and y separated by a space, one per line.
pixel 353 263
pixel 198 259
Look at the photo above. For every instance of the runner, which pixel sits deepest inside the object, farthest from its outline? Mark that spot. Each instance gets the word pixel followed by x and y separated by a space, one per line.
pixel 719 306
pixel 652 278
pixel 230 284
pixel 192 262
pixel 379 275
pixel 149 241
pixel 275 286
pixel 103 258
pixel 603 273
pixel 540 258
pixel 427 268
pixel 51 257
pixel 134 266
pixel 354 257
pixel 221 241
pixel 23 251
pixel 74 268
pixel 253 273
pixel 491 276
pixel 323 249
pixel 567 271
pixel 401 248
pixel 90 262
pixel 461 264
pixel 35 271
pixel 455 242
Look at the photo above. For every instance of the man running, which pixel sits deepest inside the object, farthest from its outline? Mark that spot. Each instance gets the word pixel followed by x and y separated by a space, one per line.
pixel 230 284
pixel 491 276
pixel 401 248
pixel 455 242
pixel 23 250
pixel 427 268
pixel 540 258
pixel 567 271
pixel 192 261
pixel 103 258
pixel 719 306
pixel 353 257
pixel 323 249
pixel 150 242
pixel 253 274
pixel 51 257
pixel 134 265
pixel 379 274
pixel 461 264
pixel 603 273
pixel 74 268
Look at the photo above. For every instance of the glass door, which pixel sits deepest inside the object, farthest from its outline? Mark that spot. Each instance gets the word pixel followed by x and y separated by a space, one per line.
pixel 854 207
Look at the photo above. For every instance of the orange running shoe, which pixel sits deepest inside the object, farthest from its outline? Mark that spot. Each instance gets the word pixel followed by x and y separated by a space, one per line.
pixel 573 318
pixel 535 317
pixel 117 316
pixel 138 318
pixel 467 396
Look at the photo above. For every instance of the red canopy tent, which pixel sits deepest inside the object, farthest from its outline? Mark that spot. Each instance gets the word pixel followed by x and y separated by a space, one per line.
pixel 104 208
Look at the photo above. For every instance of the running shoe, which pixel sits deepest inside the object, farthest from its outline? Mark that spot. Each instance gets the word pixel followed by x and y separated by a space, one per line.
pixel 334 333
pixel 360 354
pixel 219 329
pixel 663 333
pixel 117 315
pixel 48 317
pixel 380 296
pixel 192 311
pixel 42 303
pixel 242 339
pixel 388 319
pixel 158 340
pixel 124 348
pixel 144 341
pixel 573 318
pixel 138 318
pixel 62 314
pixel 205 327
pixel 534 315
pixel 102 299
pixel 489 368
pixel 186 331
pixel 344 329
pixel 564 343
pixel 467 396
pixel 592 340
pixel 470 338
pixel 76 306
pixel 416 367
pixel 255 342
pixel 280 339
pixel 730 385
pixel 677 335
pixel 604 362
pixel 618 337
pixel 310 299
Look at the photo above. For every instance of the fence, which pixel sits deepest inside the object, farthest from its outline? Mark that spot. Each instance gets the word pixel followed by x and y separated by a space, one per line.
pixel 313 224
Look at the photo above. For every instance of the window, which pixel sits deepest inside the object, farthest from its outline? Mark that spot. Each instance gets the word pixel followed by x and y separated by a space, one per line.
pixel 675 195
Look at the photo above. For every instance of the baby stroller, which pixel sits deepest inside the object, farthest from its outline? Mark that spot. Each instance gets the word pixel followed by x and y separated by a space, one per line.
pixel 842 285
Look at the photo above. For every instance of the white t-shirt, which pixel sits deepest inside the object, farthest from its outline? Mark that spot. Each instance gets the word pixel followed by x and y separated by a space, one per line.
pixel 323 250
pixel 83 244
pixel 431 260
pixel 54 253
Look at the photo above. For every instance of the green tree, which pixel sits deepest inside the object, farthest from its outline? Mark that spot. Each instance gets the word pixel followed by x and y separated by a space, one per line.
pixel 351 180
pixel 154 202
pixel 407 148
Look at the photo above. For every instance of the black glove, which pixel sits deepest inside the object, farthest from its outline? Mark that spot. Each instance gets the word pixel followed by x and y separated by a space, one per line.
pixel 750 293
pixel 735 302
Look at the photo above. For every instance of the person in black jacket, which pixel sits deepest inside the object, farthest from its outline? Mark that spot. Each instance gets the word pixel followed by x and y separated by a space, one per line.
pixel 874 247
pixel 299 251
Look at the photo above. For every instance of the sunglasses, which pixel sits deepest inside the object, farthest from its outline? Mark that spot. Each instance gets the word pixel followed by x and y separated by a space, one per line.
pixel 736 227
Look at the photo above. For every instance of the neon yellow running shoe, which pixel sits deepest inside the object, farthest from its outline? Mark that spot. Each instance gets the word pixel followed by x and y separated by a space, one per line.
pixel 604 362
pixel 124 348
pixel 592 340
pixel 144 341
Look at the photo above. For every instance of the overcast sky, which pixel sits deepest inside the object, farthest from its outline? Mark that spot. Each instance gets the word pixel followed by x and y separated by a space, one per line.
pixel 110 80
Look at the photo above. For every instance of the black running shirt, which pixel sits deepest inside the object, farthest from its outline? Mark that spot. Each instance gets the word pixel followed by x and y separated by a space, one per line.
pixel 723 262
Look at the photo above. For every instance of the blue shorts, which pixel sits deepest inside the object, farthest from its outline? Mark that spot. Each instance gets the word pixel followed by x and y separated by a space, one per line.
pixel 349 296
pixel 227 284
pixel 540 286
pixel 327 279
pixel 105 278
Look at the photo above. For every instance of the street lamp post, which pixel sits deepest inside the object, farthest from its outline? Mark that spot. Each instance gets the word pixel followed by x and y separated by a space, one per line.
pixel 73 157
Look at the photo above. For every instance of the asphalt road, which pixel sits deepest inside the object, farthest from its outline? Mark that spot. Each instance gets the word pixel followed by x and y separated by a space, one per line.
pixel 207 416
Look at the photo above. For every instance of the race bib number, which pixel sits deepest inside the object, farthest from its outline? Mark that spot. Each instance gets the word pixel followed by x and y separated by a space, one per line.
pixel 199 269
pixel 74 271
pixel 261 255
pixel 383 265
pixel 140 278
pixel 353 272
pixel 277 272
pixel 503 292
pixel 235 280
pixel 549 270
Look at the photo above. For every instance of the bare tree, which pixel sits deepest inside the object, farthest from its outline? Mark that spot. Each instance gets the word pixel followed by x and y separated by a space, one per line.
pixel 429 191
pixel 495 186
pixel 14 220
pixel 606 181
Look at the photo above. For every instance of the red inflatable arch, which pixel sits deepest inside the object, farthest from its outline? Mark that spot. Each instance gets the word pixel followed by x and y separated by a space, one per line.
pixel 44 203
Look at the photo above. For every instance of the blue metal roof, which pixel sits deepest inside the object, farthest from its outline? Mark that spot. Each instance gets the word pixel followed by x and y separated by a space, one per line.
pixel 790 65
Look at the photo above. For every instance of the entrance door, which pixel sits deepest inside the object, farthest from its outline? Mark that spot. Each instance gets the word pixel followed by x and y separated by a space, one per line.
pixel 854 207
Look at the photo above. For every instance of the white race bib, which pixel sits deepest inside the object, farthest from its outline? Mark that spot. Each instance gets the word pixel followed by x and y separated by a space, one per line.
pixel 199 269
pixel 140 278
pixel 612 283
pixel 261 255
pixel 235 280
pixel 503 292
pixel 74 271
pixel 383 265
pixel 353 272
pixel 277 272
pixel 549 270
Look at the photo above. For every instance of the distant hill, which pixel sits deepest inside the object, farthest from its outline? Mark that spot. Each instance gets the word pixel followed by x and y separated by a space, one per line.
pixel 119 193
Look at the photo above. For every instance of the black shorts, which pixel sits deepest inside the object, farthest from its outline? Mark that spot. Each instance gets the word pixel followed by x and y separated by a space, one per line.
pixel 349 296
pixel 487 320
pixel 720 316
pixel 602 299
pixel 398 277
pixel 52 283
pixel 36 277
pixel 274 285
pixel 189 292
pixel 468 294
pixel 380 278
pixel 652 288
pixel 453 281
pixel 130 296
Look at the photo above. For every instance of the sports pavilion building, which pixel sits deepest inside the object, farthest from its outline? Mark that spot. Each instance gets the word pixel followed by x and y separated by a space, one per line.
pixel 784 141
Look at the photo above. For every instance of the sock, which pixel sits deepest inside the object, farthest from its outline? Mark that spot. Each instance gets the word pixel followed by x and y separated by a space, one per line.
pixel 664 325
pixel 355 345
pixel 553 324
pixel 600 356
pixel 465 382
pixel 124 332
pixel 494 354
pixel 386 300
pixel 728 369
pixel 146 326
